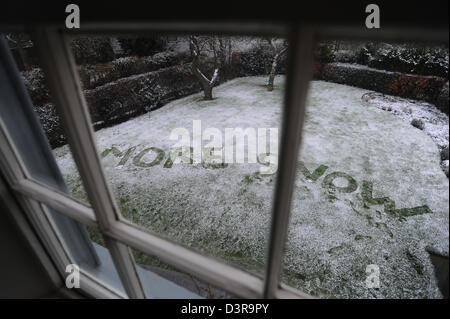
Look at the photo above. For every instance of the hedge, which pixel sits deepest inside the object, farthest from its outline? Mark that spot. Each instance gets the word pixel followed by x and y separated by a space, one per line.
pixel 116 92
pixel 91 50
pixel 95 75
pixel 418 87
pixel 92 76
pixel 405 58
pixel 125 98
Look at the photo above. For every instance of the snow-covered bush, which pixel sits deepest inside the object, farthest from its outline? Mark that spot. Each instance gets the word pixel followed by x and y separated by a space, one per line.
pixel 258 61
pixel 125 98
pixel 255 61
pixel 95 75
pixel 406 58
pixel 412 86
pixel 324 52
pixel 91 50
pixel 49 119
pixel 345 56
pixel 35 83
pixel 417 123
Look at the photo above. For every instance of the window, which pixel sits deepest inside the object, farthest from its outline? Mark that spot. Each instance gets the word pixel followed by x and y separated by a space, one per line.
pixel 370 191
pixel 126 242
pixel 221 205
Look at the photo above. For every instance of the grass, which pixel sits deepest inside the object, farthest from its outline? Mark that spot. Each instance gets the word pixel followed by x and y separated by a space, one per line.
pixel 363 182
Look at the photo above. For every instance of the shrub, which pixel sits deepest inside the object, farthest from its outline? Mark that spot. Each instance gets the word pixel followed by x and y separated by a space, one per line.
pixel 346 56
pixel 442 99
pixel 142 46
pixel 406 58
pixel 417 87
pixel 92 50
pixel 366 53
pixel 418 124
pixel 444 153
pixel 34 81
pixel 256 61
pixel 324 53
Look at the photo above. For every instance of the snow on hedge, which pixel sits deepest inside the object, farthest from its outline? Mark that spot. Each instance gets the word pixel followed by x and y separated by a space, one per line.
pixel 368 190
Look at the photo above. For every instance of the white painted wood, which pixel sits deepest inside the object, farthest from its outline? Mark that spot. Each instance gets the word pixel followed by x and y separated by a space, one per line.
pixel 299 75
pixel 210 269
pixel 61 74
pixel 56 200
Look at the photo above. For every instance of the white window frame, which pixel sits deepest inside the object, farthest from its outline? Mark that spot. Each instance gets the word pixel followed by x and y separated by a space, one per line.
pixel 61 74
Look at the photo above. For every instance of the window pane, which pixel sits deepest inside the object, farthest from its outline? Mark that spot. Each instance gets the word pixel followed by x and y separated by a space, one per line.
pixel 162 281
pixel 47 131
pixel 21 124
pixel 191 167
pixel 371 196
pixel 87 250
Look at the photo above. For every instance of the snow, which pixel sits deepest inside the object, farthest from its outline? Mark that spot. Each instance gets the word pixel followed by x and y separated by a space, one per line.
pixel 360 67
pixel 436 123
pixel 333 236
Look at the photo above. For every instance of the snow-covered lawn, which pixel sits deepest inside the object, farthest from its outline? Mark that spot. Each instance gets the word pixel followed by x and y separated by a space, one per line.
pixel 369 190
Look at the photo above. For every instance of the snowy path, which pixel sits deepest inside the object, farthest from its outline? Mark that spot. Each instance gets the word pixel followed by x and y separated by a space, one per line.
pixel 356 160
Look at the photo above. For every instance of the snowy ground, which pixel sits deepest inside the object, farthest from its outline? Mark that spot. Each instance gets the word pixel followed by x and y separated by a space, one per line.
pixel 423 115
pixel 369 190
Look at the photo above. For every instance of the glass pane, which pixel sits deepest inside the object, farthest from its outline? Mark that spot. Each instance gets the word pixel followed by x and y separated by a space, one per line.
pixel 19 115
pixel 371 199
pixel 88 251
pixel 194 168
pixel 47 132
pixel 162 281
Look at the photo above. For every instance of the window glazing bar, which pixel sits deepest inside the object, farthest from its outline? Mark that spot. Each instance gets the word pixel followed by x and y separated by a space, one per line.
pixel 57 200
pixel 212 270
pixel 224 276
pixel 298 77
pixel 58 64
pixel 184 27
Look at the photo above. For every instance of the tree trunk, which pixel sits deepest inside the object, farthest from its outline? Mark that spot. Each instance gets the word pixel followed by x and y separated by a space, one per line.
pixel 23 57
pixel 207 92
pixel 206 84
pixel 270 83
pixel 273 70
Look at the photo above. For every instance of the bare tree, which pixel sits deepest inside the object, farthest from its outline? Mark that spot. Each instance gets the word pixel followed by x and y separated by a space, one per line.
pixel 278 51
pixel 220 48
